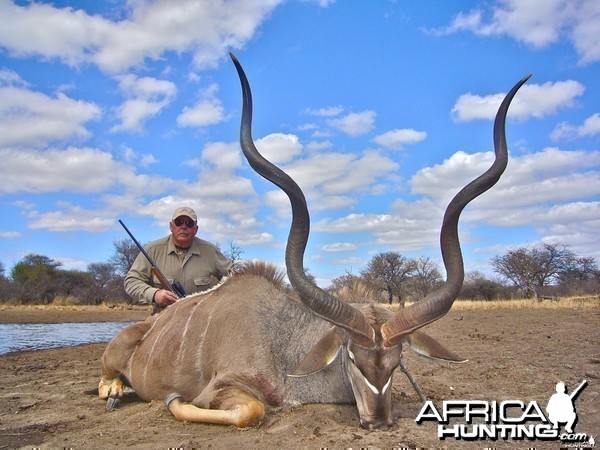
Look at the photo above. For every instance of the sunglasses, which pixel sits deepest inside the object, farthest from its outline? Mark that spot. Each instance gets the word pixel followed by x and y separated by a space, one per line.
pixel 188 222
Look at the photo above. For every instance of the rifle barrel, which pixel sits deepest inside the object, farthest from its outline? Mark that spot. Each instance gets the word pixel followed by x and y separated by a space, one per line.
pixel 138 244
pixel 577 389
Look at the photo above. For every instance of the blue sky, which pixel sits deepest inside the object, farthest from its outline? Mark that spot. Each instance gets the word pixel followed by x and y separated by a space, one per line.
pixel 381 110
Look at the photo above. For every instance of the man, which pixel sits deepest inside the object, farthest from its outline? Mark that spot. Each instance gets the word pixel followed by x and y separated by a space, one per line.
pixel 560 407
pixel 181 257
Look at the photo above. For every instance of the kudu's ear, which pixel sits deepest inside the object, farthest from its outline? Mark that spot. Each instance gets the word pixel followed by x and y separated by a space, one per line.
pixel 321 355
pixel 424 345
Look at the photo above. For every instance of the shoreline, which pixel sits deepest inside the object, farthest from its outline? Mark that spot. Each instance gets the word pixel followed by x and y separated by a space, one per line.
pixel 122 312
pixel 72 314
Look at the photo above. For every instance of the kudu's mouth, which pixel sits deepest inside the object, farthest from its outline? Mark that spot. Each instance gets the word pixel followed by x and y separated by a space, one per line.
pixel 377 425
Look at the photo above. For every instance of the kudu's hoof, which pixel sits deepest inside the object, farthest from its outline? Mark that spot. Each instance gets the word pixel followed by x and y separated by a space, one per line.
pixel 112 403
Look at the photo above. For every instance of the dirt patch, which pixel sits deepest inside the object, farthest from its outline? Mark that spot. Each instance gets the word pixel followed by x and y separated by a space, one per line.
pixel 513 354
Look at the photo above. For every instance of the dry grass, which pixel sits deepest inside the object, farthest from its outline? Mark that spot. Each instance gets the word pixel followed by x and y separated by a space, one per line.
pixel 67 306
pixel 559 303
pixel 459 305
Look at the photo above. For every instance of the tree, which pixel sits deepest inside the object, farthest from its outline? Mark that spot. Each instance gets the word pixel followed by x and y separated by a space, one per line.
pixel 532 268
pixel 577 269
pixel 387 271
pixel 478 287
pixel 125 253
pixel 4 284
pixel 352 289
pixel 579 275
pixel 102 273
pixel 233 252
pixel 343 282
pixel 105 280
pixel 34 278
pixel 426 277
pixel 74 284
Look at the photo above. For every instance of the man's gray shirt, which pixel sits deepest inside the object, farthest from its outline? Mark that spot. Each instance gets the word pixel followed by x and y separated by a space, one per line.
pixel 194 272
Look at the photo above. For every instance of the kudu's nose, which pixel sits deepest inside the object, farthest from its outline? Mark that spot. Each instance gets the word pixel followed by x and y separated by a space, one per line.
pixel 378 424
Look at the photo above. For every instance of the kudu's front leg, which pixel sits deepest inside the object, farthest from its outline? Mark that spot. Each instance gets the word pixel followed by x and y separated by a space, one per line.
pixel 114 362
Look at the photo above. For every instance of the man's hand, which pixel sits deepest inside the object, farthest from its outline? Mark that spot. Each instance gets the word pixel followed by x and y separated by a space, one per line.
pixel 164 298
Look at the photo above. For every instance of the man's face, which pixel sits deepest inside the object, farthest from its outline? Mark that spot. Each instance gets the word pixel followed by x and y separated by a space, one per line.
pixel 183 229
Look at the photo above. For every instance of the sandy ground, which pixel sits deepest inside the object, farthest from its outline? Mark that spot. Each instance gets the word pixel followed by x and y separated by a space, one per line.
pixel 514 354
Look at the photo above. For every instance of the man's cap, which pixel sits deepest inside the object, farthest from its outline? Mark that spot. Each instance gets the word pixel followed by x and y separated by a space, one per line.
pixel 185 211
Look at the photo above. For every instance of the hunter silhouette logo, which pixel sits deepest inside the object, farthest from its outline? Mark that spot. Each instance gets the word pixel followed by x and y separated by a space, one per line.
pixel 509 419
pixel 560 407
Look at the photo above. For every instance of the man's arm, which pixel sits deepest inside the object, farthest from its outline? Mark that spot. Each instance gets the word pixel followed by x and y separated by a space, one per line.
pixel 223 265
pixel 138 283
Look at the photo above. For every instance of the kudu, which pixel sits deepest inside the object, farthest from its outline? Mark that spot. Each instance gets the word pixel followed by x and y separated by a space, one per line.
pixel 230 354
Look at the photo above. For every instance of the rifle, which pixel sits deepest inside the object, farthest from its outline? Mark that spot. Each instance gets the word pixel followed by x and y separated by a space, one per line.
pixel 577 389
pixel 176 288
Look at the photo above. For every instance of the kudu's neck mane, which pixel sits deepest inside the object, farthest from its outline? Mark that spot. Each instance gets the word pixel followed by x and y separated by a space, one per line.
pixel 262 269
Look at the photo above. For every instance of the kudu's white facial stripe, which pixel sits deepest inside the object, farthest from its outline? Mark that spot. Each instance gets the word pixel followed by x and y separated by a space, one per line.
pixel 367 382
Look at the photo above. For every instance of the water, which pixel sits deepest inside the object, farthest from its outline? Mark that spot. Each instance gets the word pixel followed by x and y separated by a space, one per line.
pixel 38 336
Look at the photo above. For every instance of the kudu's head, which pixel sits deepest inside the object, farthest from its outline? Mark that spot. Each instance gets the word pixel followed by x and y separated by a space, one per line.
pixel 371 340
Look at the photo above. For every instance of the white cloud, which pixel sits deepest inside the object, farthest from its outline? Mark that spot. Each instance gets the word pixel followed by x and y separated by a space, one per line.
pixel 346 262
pixel 11 78
pixel 590 127
pixel 75 169
pixel 330 111
pixel 552 191
pixel 316 146
pixel 130 156
pixel 278 147
pixel 339 247
pixel 10 234
pixel 322 3
pixel 396 139
pixel 307 127
pixel 545 176
pixel 72 218
pixel 226 203
pixel 393 230
pixel 30 118
pixel 355 124
pixel 151 29
pixel 207 111
pixel 147 160
pixel 222 156
pixel 324 179
pixel 538 23
pixel 147 98
pixel 226 211
pixel 146 87
pixel 329 172
pixel 532 100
